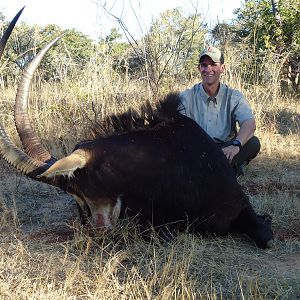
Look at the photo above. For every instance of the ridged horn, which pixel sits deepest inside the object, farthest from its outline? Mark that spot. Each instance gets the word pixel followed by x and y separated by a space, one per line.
pixel 22 162
pixel 17 158
pixel 8 31
pixel 29 139
pixel 10 152
pixel 27 165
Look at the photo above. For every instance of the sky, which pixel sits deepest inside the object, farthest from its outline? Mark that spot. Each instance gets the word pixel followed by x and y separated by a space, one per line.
pixel 94 17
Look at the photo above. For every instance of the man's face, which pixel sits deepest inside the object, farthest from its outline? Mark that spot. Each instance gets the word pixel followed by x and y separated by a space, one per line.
pixel 210 71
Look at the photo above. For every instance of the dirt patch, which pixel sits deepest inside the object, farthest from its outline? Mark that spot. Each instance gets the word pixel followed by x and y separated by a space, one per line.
pixel 53 235
pixel 270 187
pixel 34 205
pixel 292 233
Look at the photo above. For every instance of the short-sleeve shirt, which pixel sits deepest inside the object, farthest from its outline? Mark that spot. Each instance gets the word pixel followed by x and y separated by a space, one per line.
pixel 216 115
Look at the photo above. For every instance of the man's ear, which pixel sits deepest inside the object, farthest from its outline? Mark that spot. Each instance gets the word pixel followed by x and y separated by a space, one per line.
pixel 223 68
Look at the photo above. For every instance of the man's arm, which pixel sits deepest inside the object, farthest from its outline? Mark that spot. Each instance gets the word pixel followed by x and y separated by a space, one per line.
pixel 245 133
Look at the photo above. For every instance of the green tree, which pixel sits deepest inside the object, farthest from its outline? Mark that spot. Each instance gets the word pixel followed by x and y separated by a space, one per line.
pixel 114 36
pixel 172 45
pixel 114 46
pixel 2 22
pixel 67 58
pixel 225 34
pixel 19 51
pixel 273 28
pixel 114 51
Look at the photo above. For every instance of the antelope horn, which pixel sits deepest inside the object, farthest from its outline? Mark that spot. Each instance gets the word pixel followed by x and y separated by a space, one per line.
pixel 29 166
pixel 17 158
pixel 22 162
pixel 10 152
pixel 8 31
pixel 30 141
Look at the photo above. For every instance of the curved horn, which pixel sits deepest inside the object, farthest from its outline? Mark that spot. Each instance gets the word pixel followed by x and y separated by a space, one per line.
pixel 8 31
pixel 22 162
pixel 29 166
pixel 30 141
pixel 16 157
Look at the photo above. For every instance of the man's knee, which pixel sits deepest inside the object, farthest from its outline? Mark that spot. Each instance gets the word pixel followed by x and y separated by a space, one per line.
pixel 252 147
pixel 248 151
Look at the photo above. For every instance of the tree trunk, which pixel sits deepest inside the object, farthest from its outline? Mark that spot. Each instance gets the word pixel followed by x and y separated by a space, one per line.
pixel 278 21
pixel 276 13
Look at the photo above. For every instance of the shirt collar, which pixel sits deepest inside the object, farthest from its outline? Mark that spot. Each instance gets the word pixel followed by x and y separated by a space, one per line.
pixel 218 97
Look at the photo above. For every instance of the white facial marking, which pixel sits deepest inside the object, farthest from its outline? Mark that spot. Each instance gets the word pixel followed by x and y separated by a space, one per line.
pixel 104 213
pixel 117 210
pixel 102 216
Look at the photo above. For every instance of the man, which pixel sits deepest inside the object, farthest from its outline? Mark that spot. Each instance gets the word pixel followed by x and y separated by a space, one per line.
pixel 217 108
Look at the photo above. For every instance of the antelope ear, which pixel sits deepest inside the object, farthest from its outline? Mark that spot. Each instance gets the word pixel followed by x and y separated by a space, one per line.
pixel 67 165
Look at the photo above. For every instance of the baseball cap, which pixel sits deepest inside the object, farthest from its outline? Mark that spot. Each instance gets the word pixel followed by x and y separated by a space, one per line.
pixel 214 53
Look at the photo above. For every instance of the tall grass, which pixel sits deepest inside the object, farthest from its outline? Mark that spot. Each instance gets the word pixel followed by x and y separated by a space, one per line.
pixel 45 255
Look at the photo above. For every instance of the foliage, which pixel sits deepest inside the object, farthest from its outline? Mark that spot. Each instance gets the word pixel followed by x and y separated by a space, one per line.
pixel 69 56
pixel 258 26
pixel 168 53
pixel 115 49
pixel 19 50
pixel 225 34
pixel 2 20
pixel 72 53
pixel 172 45
pixel 169 50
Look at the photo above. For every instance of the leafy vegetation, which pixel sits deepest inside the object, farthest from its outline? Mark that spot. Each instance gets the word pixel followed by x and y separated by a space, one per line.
pixel 263 36
pixel 171 47
pixel 64 60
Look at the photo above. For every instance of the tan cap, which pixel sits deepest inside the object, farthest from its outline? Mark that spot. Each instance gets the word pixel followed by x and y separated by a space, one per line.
pixel 214 53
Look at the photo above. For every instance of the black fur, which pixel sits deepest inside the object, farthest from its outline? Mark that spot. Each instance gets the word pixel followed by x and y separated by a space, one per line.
pixel 146 118
pixel 168 171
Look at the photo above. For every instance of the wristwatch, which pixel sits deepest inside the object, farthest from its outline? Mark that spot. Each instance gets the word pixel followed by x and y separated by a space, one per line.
pixel 236 143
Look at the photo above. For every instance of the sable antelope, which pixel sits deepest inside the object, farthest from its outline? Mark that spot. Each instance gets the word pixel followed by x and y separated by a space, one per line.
pixel 158 165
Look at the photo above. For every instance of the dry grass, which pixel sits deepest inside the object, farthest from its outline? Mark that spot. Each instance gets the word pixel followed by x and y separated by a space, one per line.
pixel 46 255
pixel 118 266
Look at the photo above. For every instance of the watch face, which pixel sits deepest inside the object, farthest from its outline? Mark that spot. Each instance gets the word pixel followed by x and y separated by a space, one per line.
pixel 236 143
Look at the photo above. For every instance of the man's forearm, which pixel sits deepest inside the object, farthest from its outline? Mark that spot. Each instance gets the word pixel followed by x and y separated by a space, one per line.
pixel 246 131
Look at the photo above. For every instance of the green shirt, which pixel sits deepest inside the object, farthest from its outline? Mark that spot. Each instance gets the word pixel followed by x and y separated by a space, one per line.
pixel 217 116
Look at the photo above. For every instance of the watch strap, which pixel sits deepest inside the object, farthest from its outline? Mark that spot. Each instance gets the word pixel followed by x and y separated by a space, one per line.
pixel 236 143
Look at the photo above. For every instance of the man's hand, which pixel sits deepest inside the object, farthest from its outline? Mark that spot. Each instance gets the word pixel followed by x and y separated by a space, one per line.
pixel 231 151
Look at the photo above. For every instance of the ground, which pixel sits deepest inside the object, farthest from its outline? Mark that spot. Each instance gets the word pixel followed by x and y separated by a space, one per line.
pixel 43 219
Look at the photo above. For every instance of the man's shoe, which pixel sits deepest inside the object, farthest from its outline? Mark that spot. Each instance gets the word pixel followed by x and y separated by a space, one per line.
pixel 240 168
